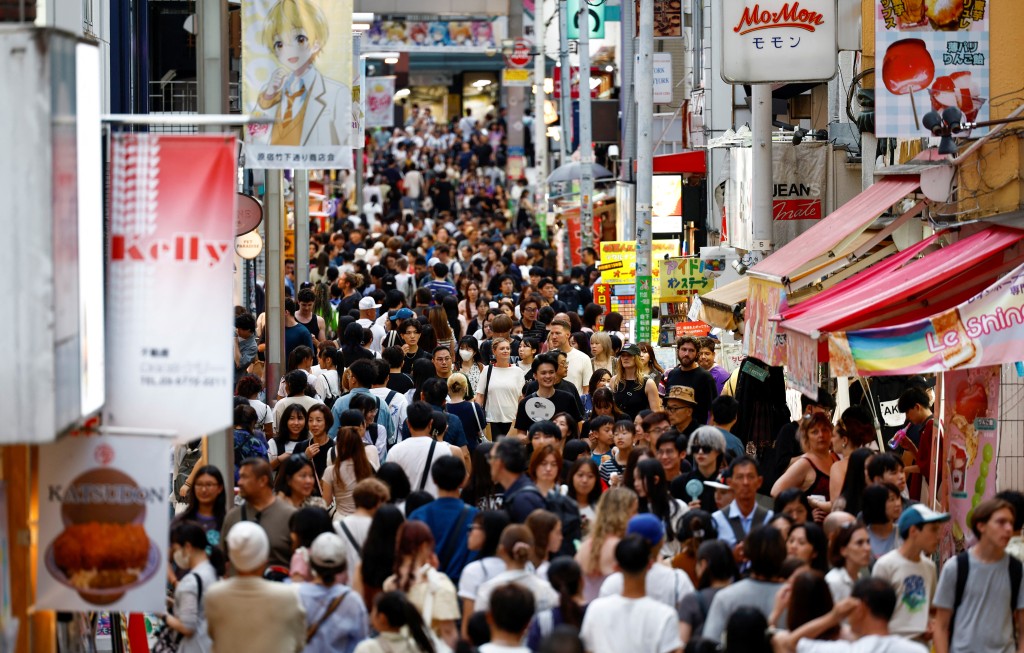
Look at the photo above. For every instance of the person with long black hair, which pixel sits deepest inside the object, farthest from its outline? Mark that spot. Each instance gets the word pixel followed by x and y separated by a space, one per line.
pixel 484 538
pixel 378 552
pixel 400 626
pixel 566 577
pixel 292 436
pixel 651 486
pixel 716 568
pixel 206 503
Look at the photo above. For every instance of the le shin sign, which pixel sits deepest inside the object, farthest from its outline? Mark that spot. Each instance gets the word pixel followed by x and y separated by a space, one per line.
pixel 765 41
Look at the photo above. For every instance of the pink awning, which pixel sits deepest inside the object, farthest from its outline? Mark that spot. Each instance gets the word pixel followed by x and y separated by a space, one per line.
pixel 920 281
pixel 847 221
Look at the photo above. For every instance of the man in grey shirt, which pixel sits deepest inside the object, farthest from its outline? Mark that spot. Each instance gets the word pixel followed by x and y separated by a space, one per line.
pixel 766 550
pixel 982 622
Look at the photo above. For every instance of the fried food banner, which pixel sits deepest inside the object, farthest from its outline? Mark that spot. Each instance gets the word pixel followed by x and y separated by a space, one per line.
pixel 930 55
pixel 971 442
pixel 103 524
pixel 297 70
pixel 169 274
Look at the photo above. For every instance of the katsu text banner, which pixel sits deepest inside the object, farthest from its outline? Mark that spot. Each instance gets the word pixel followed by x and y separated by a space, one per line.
pixel 625 251
pixel 169 271
pixel 103 519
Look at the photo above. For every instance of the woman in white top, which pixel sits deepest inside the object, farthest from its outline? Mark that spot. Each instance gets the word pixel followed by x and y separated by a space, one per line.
pixel 328 382
pixel 850 552
pixel 484 536
pixel 352 461
pixel 400 626
pixel 503 385
pixel 188 548
pixel 515 549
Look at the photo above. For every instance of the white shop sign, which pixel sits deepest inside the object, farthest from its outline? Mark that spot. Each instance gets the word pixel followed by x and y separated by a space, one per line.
pixel 778 41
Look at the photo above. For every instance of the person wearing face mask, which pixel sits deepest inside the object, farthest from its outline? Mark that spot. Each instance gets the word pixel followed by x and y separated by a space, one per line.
pixel 188 616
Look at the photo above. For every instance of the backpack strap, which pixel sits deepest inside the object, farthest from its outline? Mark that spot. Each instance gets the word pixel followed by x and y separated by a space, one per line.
pixel 351 538
pixel 391 395
pixel 454 537
pixel 426 468
pixel 331 607
pixel 963 568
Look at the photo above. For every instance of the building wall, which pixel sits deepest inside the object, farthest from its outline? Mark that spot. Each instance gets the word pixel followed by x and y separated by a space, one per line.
pixel 1010 468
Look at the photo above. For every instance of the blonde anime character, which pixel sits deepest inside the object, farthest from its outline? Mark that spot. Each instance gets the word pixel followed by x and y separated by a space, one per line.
pixel 309 109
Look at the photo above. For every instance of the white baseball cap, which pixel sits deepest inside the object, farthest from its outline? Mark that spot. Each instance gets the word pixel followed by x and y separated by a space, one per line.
pixel 366 303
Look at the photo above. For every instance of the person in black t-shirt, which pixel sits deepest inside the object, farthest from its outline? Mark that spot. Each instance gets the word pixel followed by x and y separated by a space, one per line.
pixel 692 375
pixel 535 406
pixel 398 380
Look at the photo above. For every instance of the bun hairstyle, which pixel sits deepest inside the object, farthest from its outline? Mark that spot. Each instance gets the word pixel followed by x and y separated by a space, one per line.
pixel 458 384
pixel 517 544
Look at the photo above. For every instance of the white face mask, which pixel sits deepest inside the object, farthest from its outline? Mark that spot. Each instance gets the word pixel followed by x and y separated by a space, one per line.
pixel 466 354
pixel 182 559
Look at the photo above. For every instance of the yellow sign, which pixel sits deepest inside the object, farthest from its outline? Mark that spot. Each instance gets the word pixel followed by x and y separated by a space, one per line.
pixel 289 243
pixel 517 77
pixel 680 278
pixel 624 252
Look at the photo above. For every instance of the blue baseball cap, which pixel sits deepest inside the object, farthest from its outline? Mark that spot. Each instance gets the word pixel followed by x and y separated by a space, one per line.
pixel 402 314
pixel 648 527
pixel 918 515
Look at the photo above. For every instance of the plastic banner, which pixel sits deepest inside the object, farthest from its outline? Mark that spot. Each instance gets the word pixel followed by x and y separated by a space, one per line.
pixel 931 55
pixel 624 252
pixel 405 34
pixel 682 278
pixel 297 70
pixel 103 520
pixel 380 102
pixel 987 329
pixel 169 272
pixel 971 442
pixel 761 338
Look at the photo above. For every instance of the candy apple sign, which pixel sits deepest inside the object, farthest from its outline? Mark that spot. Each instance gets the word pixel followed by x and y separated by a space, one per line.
pixel 775 41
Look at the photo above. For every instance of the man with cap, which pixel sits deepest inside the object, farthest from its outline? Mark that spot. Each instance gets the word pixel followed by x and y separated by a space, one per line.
pixel 368 320
pixel 335 614
pixel 262 507
pixel 247 612
pixel 688 373
pixel 680 403
pixel 911 571
pixel 664 584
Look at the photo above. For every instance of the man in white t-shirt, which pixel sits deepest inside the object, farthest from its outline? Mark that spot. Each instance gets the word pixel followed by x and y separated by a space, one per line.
pixel 663 583
pixel 368 320
pixel 418 452
pixel 631 621
pixel 509 616
pixel 911 572
pixel 868 611
pixel 581 366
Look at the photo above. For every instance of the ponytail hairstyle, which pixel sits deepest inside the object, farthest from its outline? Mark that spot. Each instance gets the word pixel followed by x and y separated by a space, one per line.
pixel 190 532
pixel 517 544
pixel 566 577
pixel 401 613
pixel 541 523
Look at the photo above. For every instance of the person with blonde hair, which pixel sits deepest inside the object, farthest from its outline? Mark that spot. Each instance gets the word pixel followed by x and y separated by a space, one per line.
pixel 516 549
pixel 810 472
pixel 601 348
pixel 308 108
pixel 597 553
pixel 474 420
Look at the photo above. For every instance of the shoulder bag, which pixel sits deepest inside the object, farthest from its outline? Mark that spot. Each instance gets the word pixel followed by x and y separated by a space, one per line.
pixel 486 431
pixel 331 607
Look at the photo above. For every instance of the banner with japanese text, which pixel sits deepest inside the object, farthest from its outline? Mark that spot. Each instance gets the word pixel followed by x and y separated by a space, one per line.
pixel 103 524
pixel 297 72
pixel 930 56
pixel 170 322
pixel 380 102
pixel 970 443
pixel 761 337
pixel 987 329
pixel 682 278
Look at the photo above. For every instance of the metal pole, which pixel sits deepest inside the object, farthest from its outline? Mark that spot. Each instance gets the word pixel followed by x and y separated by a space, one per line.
pixel 761 184
pixel 565 117
pixel 211 50
pixel 644 85
pixel 586 146
pixel 357 42
pixel 274 353
pixel 540 129
pixel 301 203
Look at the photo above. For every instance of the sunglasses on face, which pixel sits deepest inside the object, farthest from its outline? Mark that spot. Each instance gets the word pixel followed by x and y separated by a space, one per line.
pixel 703 448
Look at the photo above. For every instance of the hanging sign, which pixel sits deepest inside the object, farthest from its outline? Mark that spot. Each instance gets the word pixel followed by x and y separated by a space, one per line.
pixel 249 214
pixel 596 19
pixel 682 278
pixel 297 71
pixel 768 41
pixel 169 271
pixel 103 520
pixel 931 55
pixel 413 34
pixel 668 18
pixel 380 103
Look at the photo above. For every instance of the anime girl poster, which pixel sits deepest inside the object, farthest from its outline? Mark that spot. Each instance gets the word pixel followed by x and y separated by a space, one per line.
pixel 297 71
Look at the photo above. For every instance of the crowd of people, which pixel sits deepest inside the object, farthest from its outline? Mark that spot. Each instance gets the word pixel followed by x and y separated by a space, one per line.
pixel 467 453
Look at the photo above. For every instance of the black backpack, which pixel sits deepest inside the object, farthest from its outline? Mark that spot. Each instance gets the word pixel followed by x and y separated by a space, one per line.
pixel 567 511
pixel 963 568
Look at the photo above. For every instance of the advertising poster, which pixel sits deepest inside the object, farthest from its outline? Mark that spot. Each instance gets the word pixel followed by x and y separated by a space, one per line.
pixel 169 275
pixel 410 34
pixel 668 19
pixel 618 260
pixel 380 101
pixel 987 329
pixel 931 55
pixel 297 70
pixel 359 103
pixel 761 338
pixel 971 441
pixel 103 524
pixel 575 229
pixel 682 278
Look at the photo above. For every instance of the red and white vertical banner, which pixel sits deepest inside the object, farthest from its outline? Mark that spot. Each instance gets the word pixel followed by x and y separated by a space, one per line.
pixel 169 271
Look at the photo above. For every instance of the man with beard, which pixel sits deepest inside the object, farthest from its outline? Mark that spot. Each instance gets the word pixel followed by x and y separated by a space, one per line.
pixel 690 374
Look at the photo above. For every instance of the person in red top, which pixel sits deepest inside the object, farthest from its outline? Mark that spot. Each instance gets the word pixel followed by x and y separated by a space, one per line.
pixel 915 405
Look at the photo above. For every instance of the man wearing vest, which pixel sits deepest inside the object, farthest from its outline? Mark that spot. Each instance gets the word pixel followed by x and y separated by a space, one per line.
pixel 735 520
pixel 978 600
